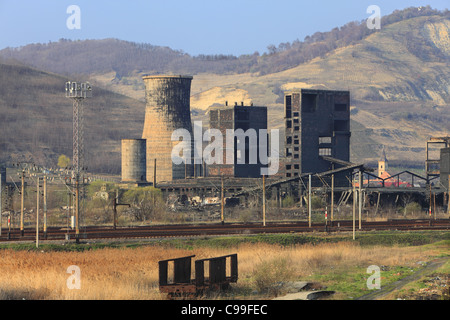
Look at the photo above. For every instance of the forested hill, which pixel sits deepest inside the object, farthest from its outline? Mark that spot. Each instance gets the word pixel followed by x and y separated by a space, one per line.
pixel 125 58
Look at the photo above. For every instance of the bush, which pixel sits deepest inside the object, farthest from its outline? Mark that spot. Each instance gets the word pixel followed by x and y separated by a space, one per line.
pixel 413 207
pixel 146 203
pixel 287 202
pixel 269 274
pixel 245 216
pixel 317 202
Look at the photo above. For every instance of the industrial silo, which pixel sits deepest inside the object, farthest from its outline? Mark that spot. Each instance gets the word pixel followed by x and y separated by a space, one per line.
pixel 167 109
pixel 134 160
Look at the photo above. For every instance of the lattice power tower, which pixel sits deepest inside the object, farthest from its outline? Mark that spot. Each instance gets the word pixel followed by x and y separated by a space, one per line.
pixel 78 92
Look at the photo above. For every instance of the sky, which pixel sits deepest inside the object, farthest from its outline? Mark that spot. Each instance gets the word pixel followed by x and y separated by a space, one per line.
pixel 194 26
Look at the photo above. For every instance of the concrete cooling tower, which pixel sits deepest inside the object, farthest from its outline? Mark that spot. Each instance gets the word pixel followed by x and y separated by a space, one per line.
pixel 167 109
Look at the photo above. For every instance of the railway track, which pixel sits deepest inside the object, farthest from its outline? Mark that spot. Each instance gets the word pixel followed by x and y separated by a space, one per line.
pixel 184 230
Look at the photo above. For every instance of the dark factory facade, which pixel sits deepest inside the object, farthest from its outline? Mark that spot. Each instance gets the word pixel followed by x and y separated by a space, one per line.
pixel 234 118
pixel 317 124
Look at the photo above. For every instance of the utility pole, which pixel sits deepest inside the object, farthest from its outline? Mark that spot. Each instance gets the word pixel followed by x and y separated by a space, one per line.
pixel 309 201
pixel 332 198
pixel 354 206
pixel 448 196
pixel 22 201
pixel 430 202
pixel 1 188
pixel 77 211
pixel 69 198
pixel 264 200
pixel 69 210
pixel 154 175
pixel 37 212
pixel 115 205
pixel 115 202
pixel 222 201
pixel 360 198
pixel 300 192
pixel 45 207
pixel 9 226
pixel 434 204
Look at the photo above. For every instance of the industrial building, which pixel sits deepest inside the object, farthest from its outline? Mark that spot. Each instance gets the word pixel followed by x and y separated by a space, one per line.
pixel 167 109
pixel 246 154
pixel 317 129
pixel 434 160
pixel 317 144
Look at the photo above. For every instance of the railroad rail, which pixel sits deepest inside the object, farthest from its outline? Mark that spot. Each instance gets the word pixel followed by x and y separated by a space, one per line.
pixel 190 230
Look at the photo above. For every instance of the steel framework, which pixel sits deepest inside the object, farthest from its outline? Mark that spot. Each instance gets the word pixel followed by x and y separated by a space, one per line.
pixel 431 163
pixel 78 92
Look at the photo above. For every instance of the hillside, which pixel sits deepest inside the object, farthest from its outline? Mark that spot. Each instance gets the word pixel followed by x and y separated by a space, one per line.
pixel 400 98
pixel 398 78
pixel 36 120
pixel 125 58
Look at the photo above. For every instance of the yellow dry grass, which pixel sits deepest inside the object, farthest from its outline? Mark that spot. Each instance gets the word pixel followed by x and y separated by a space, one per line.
pixel 132 274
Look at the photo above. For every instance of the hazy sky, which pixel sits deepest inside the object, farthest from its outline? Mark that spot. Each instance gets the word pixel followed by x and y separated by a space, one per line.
pixel 194 26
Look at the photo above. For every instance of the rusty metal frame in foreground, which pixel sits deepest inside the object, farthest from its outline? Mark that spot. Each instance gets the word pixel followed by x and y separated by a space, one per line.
pixel 183 284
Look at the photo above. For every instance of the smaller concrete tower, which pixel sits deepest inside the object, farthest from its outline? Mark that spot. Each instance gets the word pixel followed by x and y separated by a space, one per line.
pixel 134 160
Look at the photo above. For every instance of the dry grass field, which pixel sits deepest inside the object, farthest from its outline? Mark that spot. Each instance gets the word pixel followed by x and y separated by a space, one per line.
pixel 132 273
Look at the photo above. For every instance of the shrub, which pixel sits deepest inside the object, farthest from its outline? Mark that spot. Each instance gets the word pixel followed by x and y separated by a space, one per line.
pixel 146 203
pixel 270 273
pixel 317 202
pixel 288 201
pixel 413 207
pixel 245 216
